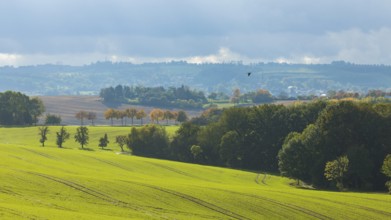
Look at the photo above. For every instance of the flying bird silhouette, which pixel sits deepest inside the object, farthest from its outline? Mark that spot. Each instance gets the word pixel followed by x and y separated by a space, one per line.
pixel 249 73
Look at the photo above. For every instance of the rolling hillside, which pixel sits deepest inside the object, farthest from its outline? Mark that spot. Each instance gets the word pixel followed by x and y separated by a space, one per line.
pixel 51 183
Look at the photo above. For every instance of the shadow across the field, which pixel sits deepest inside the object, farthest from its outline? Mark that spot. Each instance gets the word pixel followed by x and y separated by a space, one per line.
pixel 86 149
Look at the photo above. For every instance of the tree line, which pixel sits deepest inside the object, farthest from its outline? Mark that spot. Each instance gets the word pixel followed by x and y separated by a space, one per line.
pixel 328 144
pixel 155 115
pixel 181 97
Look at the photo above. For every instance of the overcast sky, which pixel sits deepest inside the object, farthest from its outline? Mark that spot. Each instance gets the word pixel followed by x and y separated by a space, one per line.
pixel 301 31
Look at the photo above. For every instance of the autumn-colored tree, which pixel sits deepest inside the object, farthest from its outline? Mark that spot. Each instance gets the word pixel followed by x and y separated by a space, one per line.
pixel 91 116
pixel 140 115
pixel 168 115
pixel 131 113
pixel 81 115
pixel 155 115
pixel 120 115
pixel 175 116
pixel 110 114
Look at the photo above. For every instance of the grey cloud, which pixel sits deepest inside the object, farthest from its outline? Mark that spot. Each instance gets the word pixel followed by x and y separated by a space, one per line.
pixel 174 28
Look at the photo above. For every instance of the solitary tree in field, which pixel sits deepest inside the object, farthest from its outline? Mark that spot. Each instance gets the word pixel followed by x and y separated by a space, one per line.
pixel 336 169
pixel 140 115
pixel 62 136
pixel 81 136
pixel 121 141
pixel 103 141
pixel 43 131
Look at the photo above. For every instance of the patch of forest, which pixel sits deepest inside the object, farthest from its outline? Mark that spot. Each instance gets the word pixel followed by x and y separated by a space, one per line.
pixel 327 144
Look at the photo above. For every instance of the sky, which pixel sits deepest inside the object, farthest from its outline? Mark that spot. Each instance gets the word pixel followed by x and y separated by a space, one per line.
pixel 78 32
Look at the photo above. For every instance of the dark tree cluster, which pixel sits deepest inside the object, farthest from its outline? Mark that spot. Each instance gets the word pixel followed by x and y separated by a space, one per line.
pixel 359 131
pixel 259 96
pixel 149 140
pixel 19 109
pixel 181 97
pixel 323 143
pixel 248 138
pixel 52 119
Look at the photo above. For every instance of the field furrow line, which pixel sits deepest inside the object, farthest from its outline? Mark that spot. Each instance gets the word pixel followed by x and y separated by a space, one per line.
pixel 195 200
pixel 39 153
pixel 179 171
pixel 19 214
pixel 99 195
pixel 20 196
pixel 111 163
pixel 337 202
pixel 79 188
pixel 172 170
pixel 281 204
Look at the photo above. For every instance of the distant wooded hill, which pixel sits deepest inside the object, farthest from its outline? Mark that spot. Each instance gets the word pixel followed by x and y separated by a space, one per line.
pixel 291 79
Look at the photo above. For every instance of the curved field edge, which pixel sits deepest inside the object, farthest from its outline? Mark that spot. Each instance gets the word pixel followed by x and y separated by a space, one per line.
pixel 51 183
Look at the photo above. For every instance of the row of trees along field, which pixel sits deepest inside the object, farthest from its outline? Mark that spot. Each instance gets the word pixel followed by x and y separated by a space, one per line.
pixel 81 136
pixel 19 109
pixel 155 115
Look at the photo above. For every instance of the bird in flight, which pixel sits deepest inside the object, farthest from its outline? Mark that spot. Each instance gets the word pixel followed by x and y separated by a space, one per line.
pixel 249 73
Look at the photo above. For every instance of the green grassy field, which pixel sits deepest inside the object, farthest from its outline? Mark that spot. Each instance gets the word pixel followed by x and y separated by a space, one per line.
pixel 52 183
